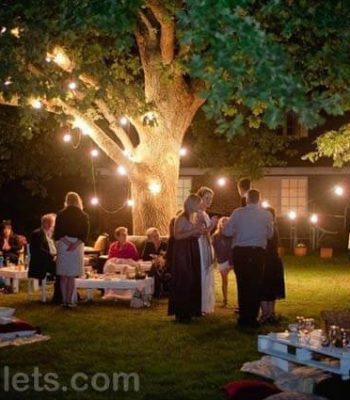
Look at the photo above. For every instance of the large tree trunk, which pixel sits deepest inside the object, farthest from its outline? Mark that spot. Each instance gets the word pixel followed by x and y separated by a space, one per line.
pixel 155 209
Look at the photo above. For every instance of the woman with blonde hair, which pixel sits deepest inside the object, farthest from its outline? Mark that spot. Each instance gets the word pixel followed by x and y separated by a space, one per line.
pixel 185 286
pixel 71 231
pixel 154 245
pixel 206 250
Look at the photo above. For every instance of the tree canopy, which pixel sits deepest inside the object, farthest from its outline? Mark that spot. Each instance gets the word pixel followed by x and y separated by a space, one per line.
pixel 253 60
pixel 246 62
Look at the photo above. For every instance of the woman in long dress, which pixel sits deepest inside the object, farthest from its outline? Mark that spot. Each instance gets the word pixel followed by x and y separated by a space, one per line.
pixel 185 285
pixel 206 250
pixel 71 231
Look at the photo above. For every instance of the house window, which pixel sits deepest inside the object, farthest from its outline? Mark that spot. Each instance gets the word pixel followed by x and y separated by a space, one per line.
pixel 270 191
pixel 294 195
pixel 184 187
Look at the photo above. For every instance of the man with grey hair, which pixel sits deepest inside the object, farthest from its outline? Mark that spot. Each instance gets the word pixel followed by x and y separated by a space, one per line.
pixel 250 227
pixel 43 254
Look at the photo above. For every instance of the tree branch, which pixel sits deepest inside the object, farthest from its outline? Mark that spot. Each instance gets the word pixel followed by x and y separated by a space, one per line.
pixel 114 126
pixel 167 37
pixel 103 141
pixel 152 31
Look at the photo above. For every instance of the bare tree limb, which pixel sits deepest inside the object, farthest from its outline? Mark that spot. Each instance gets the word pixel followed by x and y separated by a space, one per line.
pixel 102 140
pixel 114 126
pixel 152 31
pixel 167 37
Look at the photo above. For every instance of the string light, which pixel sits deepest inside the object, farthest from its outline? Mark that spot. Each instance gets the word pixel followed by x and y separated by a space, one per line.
pixel 72 85
pixel 292 215
pixel 123 120
pixel 3 29
pixel 183 152
pixel 94 201
pixel 37 104
pixel 15 32
pixel 94 153
pixel 121 170
pixel 8 82
pixel 67 137
pixel 221 181
pixel 48 58
pixel 130 202
pixel 314 218
pixel 338 190
pixel 60 58
pixel 265 204
pixel 83 126
pixel 154 187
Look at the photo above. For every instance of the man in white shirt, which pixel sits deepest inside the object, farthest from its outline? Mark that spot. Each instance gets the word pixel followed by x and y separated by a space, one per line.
pixel 250 227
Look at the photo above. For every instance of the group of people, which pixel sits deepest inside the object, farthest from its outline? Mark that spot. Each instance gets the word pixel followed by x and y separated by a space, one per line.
pixel 246 241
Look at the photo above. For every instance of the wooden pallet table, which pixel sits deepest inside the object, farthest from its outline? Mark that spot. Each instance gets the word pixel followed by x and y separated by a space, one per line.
pixel 285 348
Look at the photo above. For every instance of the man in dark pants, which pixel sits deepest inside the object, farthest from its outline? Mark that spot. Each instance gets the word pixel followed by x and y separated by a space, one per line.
pixel 250 227
pixel 43 254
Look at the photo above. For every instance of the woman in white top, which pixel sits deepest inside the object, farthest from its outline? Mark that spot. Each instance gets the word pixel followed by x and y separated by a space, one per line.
pixel 206 250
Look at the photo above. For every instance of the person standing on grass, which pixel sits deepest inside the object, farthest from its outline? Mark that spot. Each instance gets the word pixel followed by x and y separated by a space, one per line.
pixel 222 250
pixel 71 232
pixel 273 281
pixel 250 227
pixel 185 284
pixel 206 250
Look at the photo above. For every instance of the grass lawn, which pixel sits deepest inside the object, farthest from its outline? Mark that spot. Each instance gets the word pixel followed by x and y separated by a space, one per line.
pixel 173 361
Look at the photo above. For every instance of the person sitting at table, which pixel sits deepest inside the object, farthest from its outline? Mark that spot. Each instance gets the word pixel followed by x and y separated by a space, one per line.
pixel 154 246
pixel 43 254
pixel 10 245
pixel 122 248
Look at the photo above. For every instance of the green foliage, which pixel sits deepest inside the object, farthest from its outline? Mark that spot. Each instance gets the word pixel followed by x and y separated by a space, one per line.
pixel 244 154
pixel 333 144
pixel 256 59
pixel 288 55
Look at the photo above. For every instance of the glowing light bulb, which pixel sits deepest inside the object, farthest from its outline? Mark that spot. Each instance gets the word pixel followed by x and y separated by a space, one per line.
pixel 265 204
pixel 94 201
pixel 8 82
pixel 221 181
pixel 83 126
pixel 67 137
pixel 154 187
pixel 60 58
pixel 338 190
pixel 37 104
pixel 292 215
pixel 123 120
pixel 94 153
pixel 314 218
pixel 183 152
pixel 3 29
pixel 72 85
pixel 121 170
pixel 48 58
pixel 15 32
pixel 130 202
